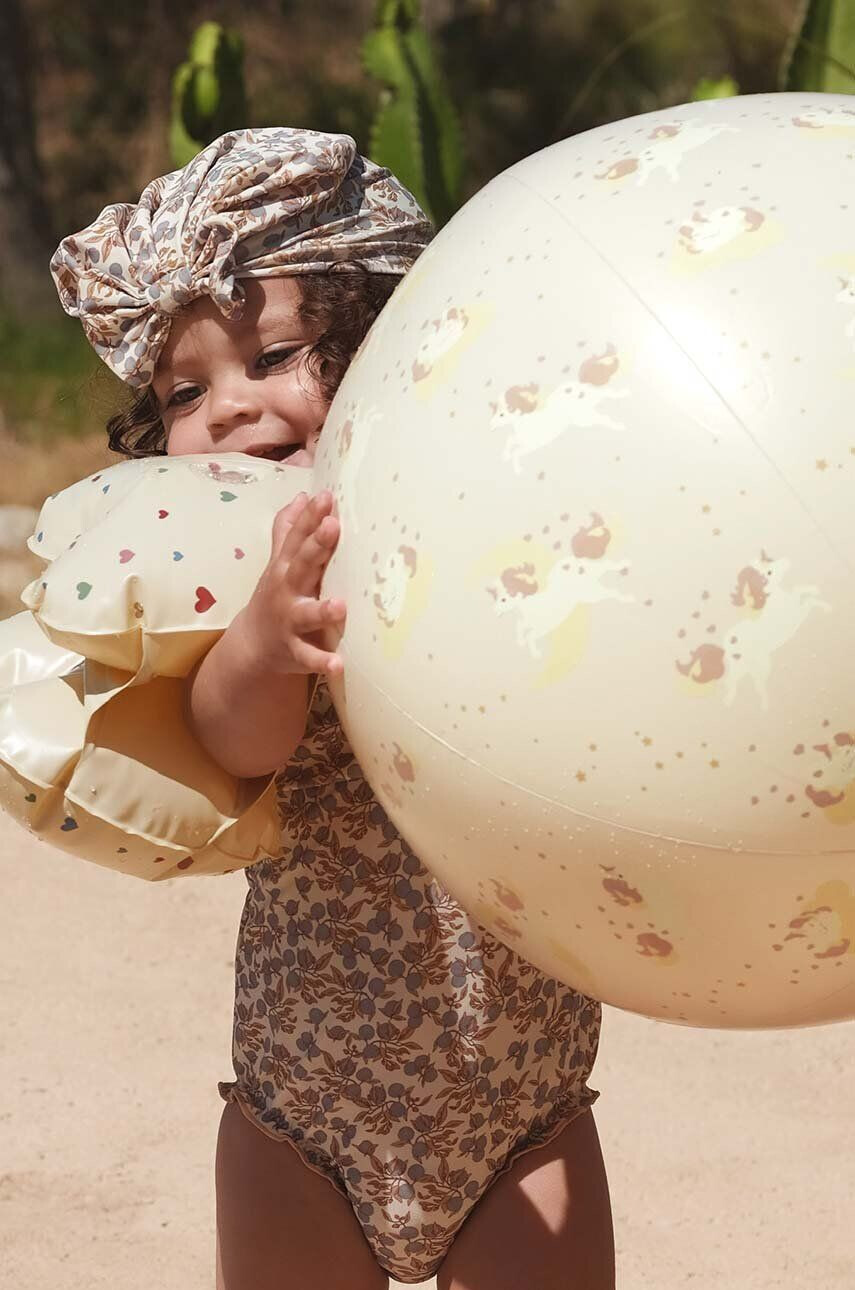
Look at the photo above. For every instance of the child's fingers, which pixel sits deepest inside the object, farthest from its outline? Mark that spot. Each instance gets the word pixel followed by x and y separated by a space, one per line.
pixel 284 521
pixel 312 659
pixel 309 615
pixel 298 522
pixel 293 523
pixel 308 561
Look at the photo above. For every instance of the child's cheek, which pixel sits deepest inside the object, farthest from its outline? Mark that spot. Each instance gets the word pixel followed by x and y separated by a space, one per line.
pixel 183 438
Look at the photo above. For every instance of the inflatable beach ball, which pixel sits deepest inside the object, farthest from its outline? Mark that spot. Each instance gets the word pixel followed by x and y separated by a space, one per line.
pixel 595 468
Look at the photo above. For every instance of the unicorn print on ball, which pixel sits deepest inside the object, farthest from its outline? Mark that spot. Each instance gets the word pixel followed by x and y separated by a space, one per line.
pixel 500 906
pixel 399 774
pixel 543 599
pixel 390 583
pixel 825 118
pixel 703 233
pixel 670 143
pixel 823 929
pixel 351 441
pixel 530 417
pixel 654 941
pixel 775 614
pixel 832 786
pixel 400 585
pixel 541 606
pixel 708 239
pixel 441 336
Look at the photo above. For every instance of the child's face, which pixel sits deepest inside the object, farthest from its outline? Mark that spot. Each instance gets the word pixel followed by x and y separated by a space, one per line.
pixel 241 386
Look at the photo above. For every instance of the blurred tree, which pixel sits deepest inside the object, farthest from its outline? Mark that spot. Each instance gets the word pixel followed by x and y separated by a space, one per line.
pixel 103 106
pixel 208 93
pixel 86 88
pixel 26 232
pixel 821 53
pixel 415 131
pixel 526 73
pixel 522 73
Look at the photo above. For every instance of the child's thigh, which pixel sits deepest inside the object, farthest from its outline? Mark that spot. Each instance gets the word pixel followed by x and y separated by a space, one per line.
pixel 280 1225
pixel 546 1223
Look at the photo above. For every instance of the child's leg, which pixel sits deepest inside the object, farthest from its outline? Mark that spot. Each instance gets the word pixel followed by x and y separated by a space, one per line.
pixel 281 1226
pixel 546 1223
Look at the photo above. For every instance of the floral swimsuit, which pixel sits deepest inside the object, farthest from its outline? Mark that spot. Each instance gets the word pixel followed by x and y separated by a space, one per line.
pixel 404 1052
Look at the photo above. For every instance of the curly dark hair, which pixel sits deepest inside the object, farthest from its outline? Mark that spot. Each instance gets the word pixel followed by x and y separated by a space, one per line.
pixel 340 306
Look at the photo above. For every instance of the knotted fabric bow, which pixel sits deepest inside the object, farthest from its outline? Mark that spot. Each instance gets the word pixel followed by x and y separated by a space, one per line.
pixel 252 204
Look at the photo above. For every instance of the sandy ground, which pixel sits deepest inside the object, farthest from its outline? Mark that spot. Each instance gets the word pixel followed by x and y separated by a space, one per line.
pixel 731 1156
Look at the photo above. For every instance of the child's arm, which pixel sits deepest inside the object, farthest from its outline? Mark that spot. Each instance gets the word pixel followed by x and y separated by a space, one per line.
pixel 247 700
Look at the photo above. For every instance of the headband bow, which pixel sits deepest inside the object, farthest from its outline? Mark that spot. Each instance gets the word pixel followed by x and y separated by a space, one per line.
pixel 252 204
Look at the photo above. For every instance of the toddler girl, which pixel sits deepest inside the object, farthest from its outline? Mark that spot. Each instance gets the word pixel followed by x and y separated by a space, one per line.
pixel 410 1097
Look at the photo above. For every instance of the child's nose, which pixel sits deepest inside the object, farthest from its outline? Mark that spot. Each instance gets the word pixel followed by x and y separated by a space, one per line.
pixel 232 401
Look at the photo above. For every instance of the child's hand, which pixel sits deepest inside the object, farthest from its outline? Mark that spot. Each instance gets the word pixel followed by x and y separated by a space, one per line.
pixel 284 615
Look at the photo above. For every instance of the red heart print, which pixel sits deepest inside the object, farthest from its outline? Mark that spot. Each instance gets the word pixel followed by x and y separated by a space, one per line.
pixel 204 600
pixel 239 554
pixel 161 515
pixel 126 555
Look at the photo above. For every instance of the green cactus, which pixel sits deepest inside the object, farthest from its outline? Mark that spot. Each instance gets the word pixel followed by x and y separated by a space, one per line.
pixel 208 95
pixel 820 54
pixel 415 131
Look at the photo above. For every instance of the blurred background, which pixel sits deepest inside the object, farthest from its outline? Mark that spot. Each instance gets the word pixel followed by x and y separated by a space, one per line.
pixel 97 98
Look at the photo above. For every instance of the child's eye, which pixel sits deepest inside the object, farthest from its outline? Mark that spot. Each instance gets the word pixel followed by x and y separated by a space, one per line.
pixel 274 357
pixel 186 394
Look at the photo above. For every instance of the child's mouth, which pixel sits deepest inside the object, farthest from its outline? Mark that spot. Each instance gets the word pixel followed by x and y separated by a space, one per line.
pixel 273 452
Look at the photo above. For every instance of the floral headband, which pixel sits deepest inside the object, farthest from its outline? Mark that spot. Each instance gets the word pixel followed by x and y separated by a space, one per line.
pixel 252 204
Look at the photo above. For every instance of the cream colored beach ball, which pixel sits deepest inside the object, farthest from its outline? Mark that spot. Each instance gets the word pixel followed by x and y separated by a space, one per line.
pixel 596 477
